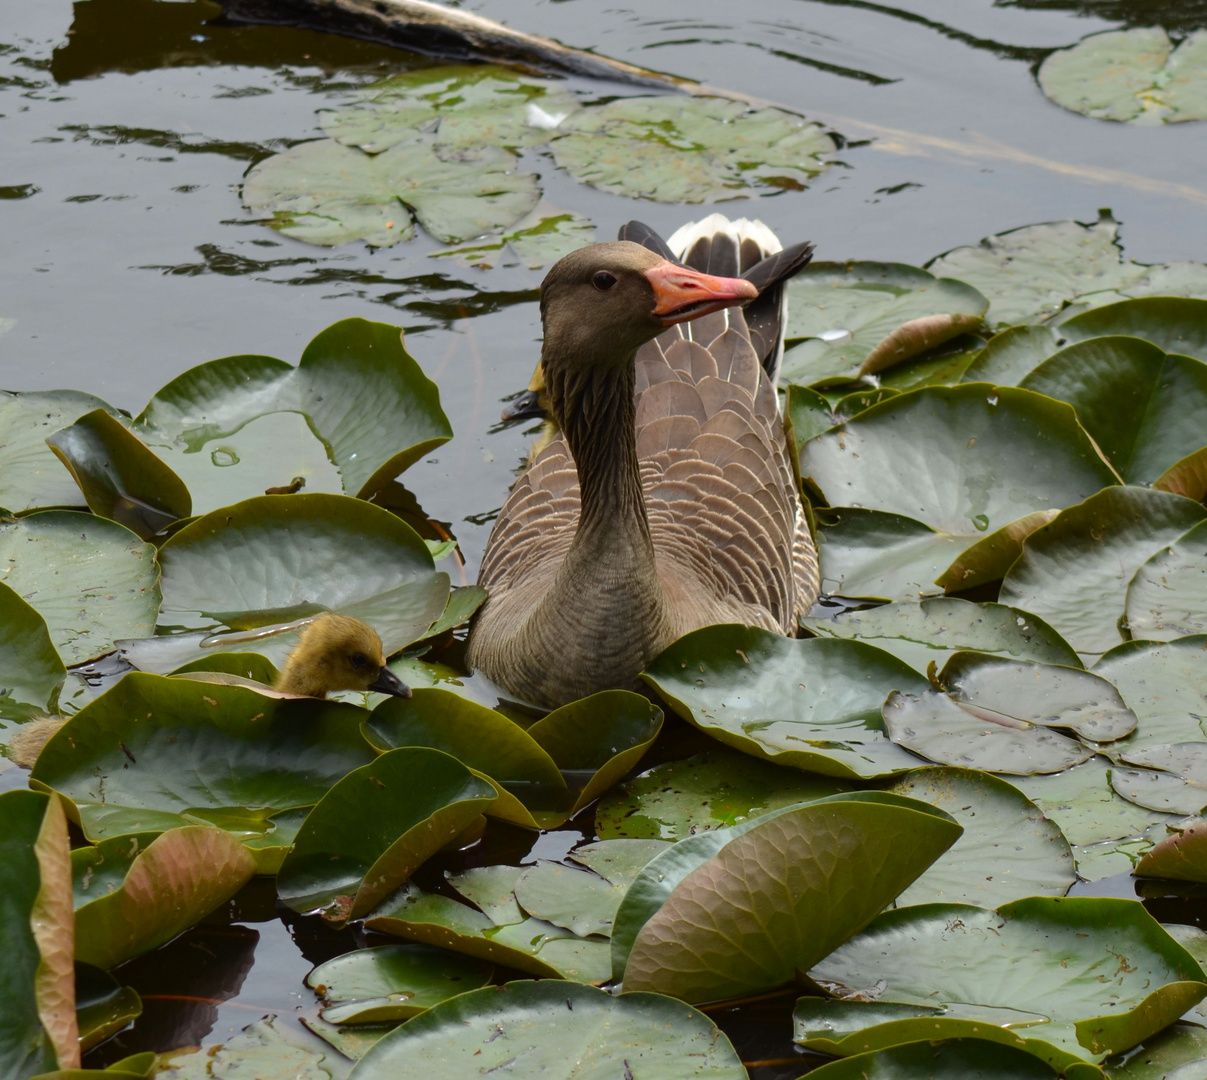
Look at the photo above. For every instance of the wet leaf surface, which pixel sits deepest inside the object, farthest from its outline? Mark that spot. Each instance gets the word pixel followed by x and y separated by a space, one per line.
pixel 30 668
pixel 1008 356
pixel 862 318
pixel 103 1005
pixel 92 580
pixel 814 704
pixel 267 1050
pixel 1074 572
pixel 579 900
pixel 1136 76
pixel 558 1030
pixel 392 982
pixel 1167 597
pixel 1174 324
pixel 618 861
pixel 1163 685
pixel 1173 778
pixel 949 1059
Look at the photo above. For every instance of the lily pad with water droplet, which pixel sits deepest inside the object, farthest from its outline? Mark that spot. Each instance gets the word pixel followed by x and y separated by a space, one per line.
pixel 326 193
pixel 888 312
pixel 354 413
pixel 690 149
pixel 1136 76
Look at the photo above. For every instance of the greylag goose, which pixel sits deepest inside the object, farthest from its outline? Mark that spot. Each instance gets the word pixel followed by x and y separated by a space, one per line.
pixel 667 501
pixel 335 652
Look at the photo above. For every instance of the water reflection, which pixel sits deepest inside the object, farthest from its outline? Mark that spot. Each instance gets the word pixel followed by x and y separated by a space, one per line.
pixel 1177 16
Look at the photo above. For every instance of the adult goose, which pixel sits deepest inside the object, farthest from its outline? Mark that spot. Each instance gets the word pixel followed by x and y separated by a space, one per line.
pixel 667 501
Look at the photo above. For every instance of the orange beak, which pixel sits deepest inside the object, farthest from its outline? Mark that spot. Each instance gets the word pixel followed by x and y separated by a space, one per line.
pixel 681 294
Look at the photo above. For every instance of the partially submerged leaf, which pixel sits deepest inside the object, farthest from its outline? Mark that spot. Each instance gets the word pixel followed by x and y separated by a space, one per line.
pixel 267 1050
pixel 579 900
pixel 103 1006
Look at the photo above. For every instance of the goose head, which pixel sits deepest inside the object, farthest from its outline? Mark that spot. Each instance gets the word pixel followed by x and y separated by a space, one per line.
pixel 337 652
pixel 600 304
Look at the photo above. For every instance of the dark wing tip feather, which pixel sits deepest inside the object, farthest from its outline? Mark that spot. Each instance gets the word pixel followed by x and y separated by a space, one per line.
pixel 780 266
pixel 639 233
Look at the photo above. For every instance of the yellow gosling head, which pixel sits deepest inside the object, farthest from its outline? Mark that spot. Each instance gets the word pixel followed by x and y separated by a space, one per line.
pixel 338 653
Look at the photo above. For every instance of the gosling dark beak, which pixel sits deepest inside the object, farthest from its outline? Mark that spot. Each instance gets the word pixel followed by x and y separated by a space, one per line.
pixel 389 683
pixel 526 405
pixel 681 293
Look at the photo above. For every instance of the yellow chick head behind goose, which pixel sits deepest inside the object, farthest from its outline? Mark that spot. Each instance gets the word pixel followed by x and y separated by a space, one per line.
pixel 335 652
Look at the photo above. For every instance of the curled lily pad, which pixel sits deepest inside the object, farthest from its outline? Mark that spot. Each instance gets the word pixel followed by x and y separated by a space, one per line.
pixel 1175 324
pixel 120 478
pixel 814 704
pixel 861 318
pixel 463 105
pixel 953 1058
pixel 30 475
pixel 1010 355
pixel 781 894
pixel 990 559
pixel 1049 967
pixel 1135 75
pixel 279 558
pixel 326 193
pixel 36 979
pixel 177 752
pixel 690 149
pixel 1030 273
pixel 92 580
pixel 530 945
pixel 392 982
pixel 1187 477
pixel 1167 598
pixel 1074 572
pixel 30 668
pixel 558 1030
pixel 964 460
pixel 1008 849
pixel 132 895
pixel 1163 684
pixel 102 1005
pixel 708 791
pixel 375 827
pixel 1143 407
pixel 1182 856
pixel 355 412
pixel 932 630
pixel 1173 778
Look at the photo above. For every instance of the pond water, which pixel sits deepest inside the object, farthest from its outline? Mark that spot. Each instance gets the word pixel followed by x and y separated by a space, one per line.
pixel 128 256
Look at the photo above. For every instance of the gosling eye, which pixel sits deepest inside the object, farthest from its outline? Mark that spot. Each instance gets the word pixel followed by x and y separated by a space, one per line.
pixel 358 660
pixel 603 280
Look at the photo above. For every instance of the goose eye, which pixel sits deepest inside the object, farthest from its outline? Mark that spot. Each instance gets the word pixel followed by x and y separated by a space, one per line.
pixel 603 281
pixel 359 660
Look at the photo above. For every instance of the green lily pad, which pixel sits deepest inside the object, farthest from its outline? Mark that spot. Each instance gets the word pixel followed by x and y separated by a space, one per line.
pixel 1009 356
pixel 530 945
pixel 1177 1053
pixel 868 554
pixel 942 366
pixel 177 752
pixel 1144 408
pixel 92 580
pixel 932 630
pixel 950 1059
pixel 690 149
pixel 245 665
pixel 1187 477
pixel 578 900
pixel 30 668
pixel 1175 324
pixel 863 317
pixel 1167 598
pixel 102 1005
pixel 30 474
pixel 1050 967
pixel 392 982
pixel 781 894
pixel 1008 849
pixel 1135 76
pixel 708 791
pixel 814 704
pixel 351 1040
pixel 375 827
pixel 537 240
pixel 1174 778
pixel 36 979
pixel 120 478
pixel 463 105
pixel 557 1030
pixel 326 193
pixel 1030 273
pixel 851 405
pixel 963 460
pixel 1182 856
pixel 132 897
pixel 354 413
pixel 809 414
pixel 491 889
pixel 1163 684
pixel 267 1050
pixel 276 559
pixel 990 559
pixel 1074 572
pixel 619 861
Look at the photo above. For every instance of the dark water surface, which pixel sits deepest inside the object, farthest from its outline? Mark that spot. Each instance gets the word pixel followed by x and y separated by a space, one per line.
pixel 126 256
